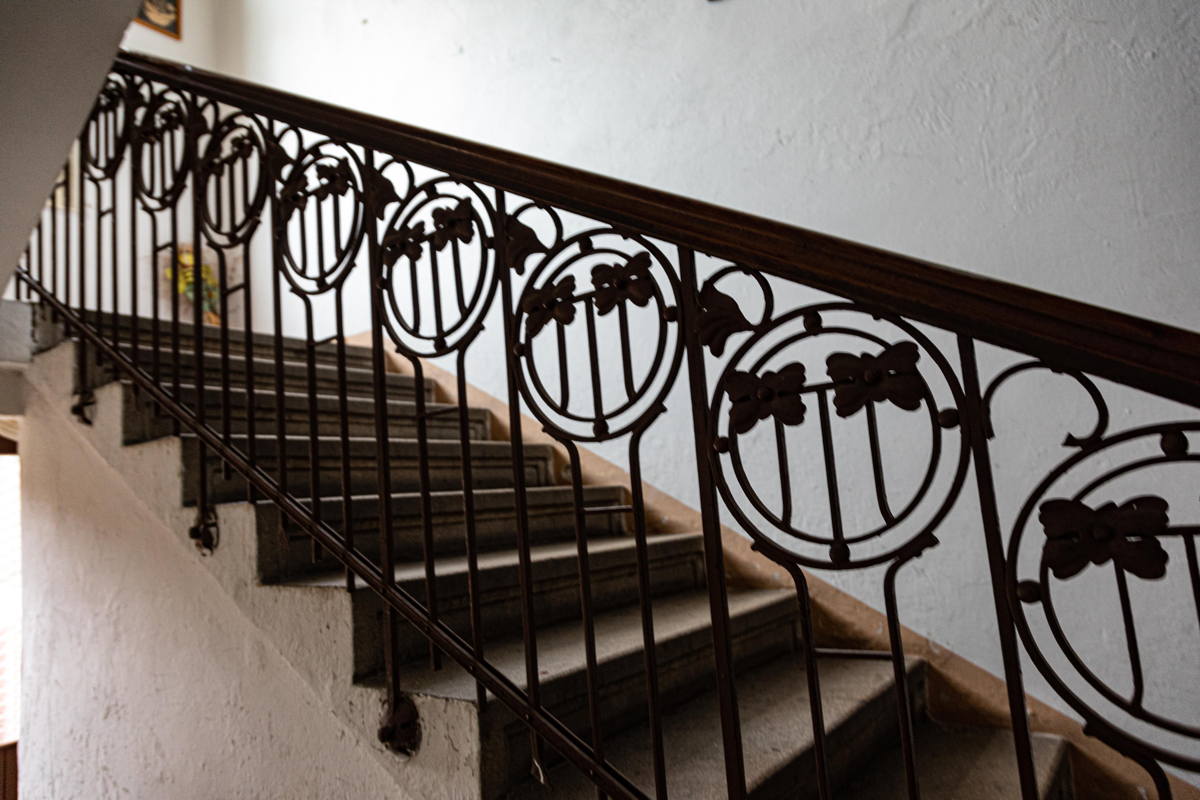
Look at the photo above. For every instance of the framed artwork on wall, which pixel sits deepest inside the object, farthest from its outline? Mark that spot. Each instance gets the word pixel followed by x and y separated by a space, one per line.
pixel 162 15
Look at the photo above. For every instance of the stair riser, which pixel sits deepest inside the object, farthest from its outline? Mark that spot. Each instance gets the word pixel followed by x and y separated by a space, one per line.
pixel 685 669
pixel 873 726
pixel 297 424
pixel 555 598
pixel 494 530
pixel 444 475
pixel 262 344
pixel 143 424
pixel 359 382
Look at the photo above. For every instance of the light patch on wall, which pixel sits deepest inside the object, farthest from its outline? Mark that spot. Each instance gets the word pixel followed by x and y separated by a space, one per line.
pixel 10 598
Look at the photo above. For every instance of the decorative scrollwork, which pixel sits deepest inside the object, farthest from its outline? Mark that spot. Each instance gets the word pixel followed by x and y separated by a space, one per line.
pixel 321 214
pixel 770 379
pixel 777 395
pixel 163 148
pixel 1080 535
pixel 107 133
pixel 1089 386
pixel 624 291
pixel 232 181
pixel 889 377
pixel 1077 535
pixel 720 315
pixel 439 262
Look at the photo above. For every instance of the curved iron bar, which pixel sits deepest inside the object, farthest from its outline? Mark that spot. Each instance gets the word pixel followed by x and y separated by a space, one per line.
pixel 1024 593
pixel 1071 440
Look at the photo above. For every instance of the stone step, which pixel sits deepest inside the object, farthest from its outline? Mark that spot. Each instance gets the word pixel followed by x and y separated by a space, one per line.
pixel 262 343
pixel 859 703
pixel 491 464
pixel 675 563
pixel 442 420
pixel 551 518
pixel 359 381
pixel 958 763
pixel 762 628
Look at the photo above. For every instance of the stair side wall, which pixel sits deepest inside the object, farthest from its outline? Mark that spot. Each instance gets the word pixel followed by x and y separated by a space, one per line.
pixel 142 677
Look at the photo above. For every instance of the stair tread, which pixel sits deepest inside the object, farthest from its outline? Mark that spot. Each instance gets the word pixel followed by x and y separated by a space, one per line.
pixel 187 356
pixel 960 762
pixel 485 499
pixel 618 633
pixel 776 730
pixel 598 548
pixel 265 442
pixel 292 398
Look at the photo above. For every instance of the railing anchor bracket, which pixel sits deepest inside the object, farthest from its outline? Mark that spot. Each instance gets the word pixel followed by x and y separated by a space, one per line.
pixel 400 729
pixel 85 401
pixel 205 533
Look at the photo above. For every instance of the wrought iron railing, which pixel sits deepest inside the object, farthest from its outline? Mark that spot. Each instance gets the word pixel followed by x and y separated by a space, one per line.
pixel 586 297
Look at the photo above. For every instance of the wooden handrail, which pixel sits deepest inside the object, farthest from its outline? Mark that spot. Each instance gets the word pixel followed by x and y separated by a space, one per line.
pixel 1065 333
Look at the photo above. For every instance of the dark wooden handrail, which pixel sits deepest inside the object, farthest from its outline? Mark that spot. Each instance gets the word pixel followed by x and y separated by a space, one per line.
pixel 1065 333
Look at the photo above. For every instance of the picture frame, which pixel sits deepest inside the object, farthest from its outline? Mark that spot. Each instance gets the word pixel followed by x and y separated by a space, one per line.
pixel 164 16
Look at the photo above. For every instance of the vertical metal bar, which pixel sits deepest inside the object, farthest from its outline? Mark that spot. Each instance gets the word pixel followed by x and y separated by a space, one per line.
pixel 714 558
pixel 428 551
pixel 72 158
pixel 344 429
pixel 248 354
pixel 383 455
pixel 464 436
pixel 645 600
pixel 176 357
pixel 223 333
pixel 135 326
pixel 900 673
pixel 525 565
pixel 812 674
pixel 198 330
pixel 587 613
pixel 314 435
pixel 277 279
pixel 973 421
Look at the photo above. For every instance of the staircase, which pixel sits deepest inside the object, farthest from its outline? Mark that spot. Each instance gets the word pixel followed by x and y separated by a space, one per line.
pixel 859 688
pixel 435 563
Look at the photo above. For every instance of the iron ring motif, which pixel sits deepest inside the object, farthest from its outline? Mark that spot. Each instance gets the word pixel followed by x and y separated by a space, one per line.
pixel 162 148
pixel 233 178
pixel 889 373
pixel 440 223
pixel 599 276
pixel 320 208
pixel 106 133
pixel 1080 534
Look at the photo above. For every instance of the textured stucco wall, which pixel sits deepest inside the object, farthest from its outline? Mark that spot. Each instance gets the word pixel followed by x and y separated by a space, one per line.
pixel 1052 144
pixel 142 677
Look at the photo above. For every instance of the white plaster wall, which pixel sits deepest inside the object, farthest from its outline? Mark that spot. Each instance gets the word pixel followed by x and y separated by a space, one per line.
pixel 53 58
pixel 1052 144
pixel 142 677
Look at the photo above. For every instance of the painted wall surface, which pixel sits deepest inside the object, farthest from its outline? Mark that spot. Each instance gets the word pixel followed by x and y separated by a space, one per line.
pixel 1048 144
pixel 142 677
pixel 53 57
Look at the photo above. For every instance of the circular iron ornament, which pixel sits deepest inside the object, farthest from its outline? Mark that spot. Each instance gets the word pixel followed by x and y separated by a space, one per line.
pixel 589 277
pixel 1086 531
pixel 779 396
pixel 107 131
pixel 233 179
pixel 321 214
pixel 439 267
pixel 162 149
